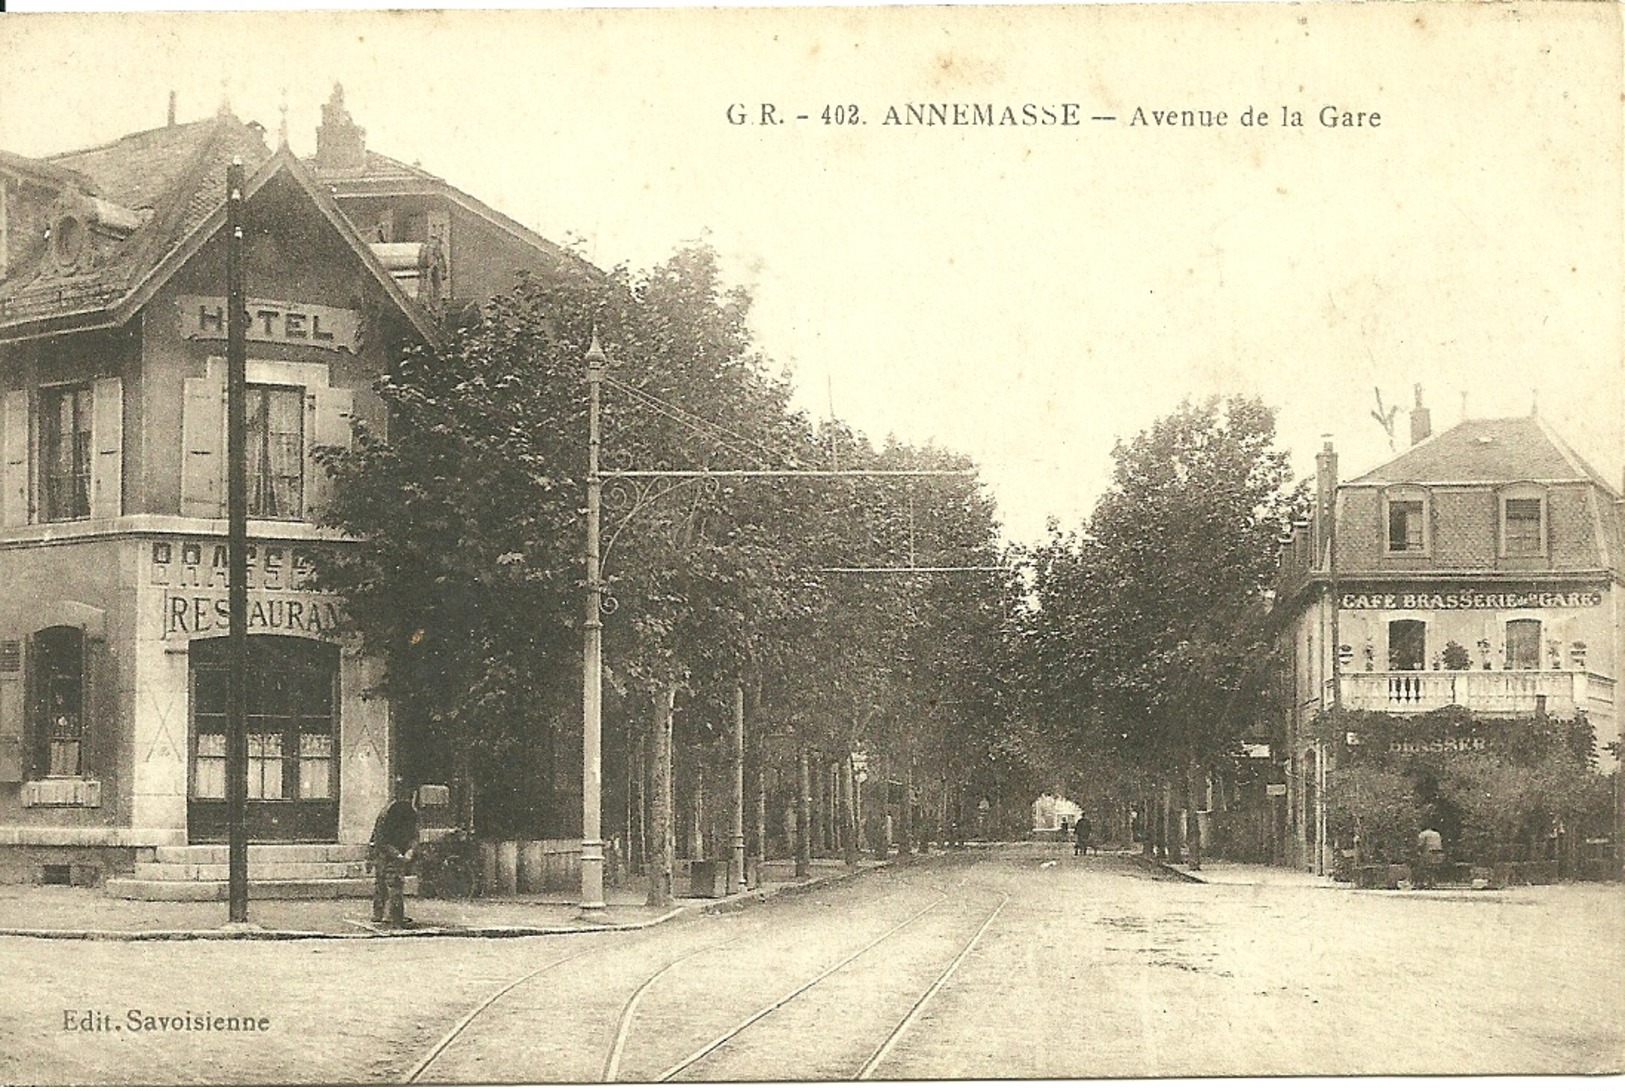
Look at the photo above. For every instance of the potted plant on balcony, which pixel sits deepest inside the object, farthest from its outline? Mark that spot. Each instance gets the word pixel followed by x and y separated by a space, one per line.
pixel 1456 658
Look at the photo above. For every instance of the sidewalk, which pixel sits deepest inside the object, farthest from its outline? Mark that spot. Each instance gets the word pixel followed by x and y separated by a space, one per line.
pixel 1227 873
pixel 57 912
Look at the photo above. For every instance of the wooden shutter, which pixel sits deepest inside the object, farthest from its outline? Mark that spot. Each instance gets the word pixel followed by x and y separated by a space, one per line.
pixel 107 446
pixel 439 231
pixel 332 410
pixel 13 711
pixel 14 456
pixel 203 449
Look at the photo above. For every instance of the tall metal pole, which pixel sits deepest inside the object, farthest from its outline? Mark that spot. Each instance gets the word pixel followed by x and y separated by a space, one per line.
pixel 592 689
pixel 736 881
pixel 236 551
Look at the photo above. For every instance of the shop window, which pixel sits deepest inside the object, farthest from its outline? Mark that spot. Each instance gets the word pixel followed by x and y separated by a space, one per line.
pixel 276 452
pixel 1523 528
pixel 65 452
pixel 1523 645
pixel 1407 645
pixel 290 700
pixel 1407 524
pixel 57 678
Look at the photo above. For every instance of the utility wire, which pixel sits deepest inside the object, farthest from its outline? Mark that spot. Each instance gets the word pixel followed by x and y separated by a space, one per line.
pixel 700 424
pixel 669 412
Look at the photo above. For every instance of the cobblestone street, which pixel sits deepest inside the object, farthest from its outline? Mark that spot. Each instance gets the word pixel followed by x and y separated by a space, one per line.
pixel 1018 962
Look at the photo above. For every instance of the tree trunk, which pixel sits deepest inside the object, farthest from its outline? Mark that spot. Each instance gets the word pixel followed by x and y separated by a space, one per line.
pixel 637 804
pixel 1164 820
pixel 905 831
pixel 736 878
pixel 696 827
pixel 761 807
pixel 849 810
pixel 1193 821
pixel 803 813
pixel 831 801
pixel 662 828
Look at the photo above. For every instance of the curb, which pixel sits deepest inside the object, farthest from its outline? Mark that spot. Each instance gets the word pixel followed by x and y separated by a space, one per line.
pixel 480 931
pixel 736 903
pixel 1161 868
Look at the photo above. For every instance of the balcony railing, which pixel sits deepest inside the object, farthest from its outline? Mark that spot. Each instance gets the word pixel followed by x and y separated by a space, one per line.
pixel 1497 692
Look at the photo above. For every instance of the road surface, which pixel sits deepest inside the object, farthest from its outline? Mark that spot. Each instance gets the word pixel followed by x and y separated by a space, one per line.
pixel 995 963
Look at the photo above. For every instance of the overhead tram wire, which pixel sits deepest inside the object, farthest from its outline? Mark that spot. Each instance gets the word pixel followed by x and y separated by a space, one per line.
pixel 730 440
pixel 721 433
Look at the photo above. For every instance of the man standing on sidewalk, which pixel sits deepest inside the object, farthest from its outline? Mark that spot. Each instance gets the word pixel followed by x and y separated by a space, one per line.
pixel 1429 858
pixel 394 843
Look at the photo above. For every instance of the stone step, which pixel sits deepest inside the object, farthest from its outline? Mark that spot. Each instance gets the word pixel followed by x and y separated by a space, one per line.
pixel 257 869
pixel 159 890
pixel 221 854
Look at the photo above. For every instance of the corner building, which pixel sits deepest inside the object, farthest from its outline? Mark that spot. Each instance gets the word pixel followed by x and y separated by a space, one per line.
pixel 113 583
pixel 1481 568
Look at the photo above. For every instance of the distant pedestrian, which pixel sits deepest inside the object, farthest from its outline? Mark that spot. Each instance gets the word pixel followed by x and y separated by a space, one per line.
pixel 1429 858
pixel 394 843
pixel 1080 846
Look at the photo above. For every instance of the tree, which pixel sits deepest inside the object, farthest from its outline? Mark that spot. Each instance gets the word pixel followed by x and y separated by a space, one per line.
pixel 1150 622
pixel 465 571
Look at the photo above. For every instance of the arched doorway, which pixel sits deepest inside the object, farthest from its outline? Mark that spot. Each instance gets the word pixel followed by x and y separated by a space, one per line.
pixel 293 767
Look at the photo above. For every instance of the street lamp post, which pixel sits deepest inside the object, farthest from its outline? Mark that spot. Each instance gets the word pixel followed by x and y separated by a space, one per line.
pixel 592 692
pixel 736 881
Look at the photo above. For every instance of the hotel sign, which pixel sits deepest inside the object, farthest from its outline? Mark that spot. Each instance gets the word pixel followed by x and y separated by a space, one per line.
pixel 1466 597
pixel 273 321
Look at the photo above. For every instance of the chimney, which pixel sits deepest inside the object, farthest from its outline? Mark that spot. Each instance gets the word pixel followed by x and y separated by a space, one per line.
pixel 341 144
pixel 1325 497
pixel 1421 420
pixel 172 109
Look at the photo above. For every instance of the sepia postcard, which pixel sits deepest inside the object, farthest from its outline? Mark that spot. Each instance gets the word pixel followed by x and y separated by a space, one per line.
pixel 559 546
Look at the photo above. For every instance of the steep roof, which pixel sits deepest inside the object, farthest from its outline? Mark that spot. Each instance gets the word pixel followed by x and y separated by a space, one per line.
pixel 40 171
pixel 140 169
pixel 383 176
pixel 378 172
pixel 178 173
pixel 1488 452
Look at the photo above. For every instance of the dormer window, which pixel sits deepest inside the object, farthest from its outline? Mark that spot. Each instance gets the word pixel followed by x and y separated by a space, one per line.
pixel 1408 522
pixel 1523 522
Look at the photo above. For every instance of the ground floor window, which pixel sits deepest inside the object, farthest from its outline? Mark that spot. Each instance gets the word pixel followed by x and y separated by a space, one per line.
pixel 291 699
pixel 57 660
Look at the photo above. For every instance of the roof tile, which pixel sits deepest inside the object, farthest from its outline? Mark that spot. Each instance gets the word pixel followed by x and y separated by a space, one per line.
pixel 1486 451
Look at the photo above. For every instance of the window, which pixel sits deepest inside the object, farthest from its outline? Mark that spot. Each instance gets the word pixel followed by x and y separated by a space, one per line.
pixel 65 452
pixel 1407 521
pixel 1523 645
pixel 57 665
pixel 1522 532
pixel 1407 645
pixel 290 719
pixel 276 452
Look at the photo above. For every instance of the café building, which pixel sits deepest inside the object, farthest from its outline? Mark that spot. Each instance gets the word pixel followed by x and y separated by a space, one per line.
pixel 113 588
pixel 1481 568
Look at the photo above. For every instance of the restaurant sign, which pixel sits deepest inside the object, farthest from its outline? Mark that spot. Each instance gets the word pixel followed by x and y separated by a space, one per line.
pixel 274 321
pixel 1467 597
pixel 193 578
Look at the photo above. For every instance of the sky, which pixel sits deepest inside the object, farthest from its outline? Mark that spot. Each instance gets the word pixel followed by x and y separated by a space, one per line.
pixel 1028 295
